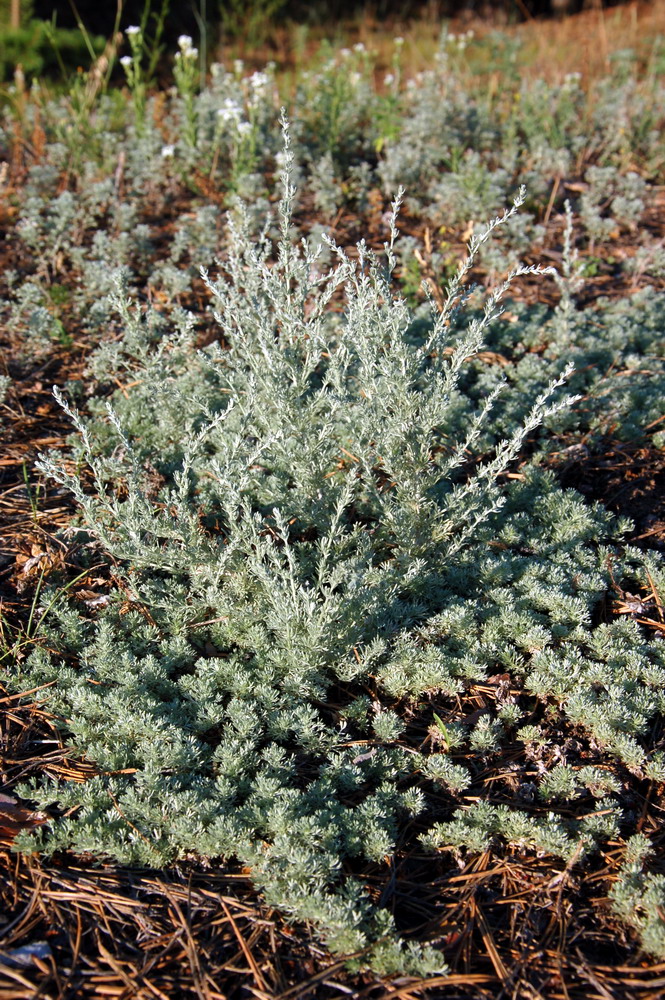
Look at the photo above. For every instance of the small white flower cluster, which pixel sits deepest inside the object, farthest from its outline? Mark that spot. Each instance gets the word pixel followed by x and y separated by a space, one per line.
pixel 359 48
pixel 231 114
pixel 259 81
pixel 259 88
pixel 187 49
pixel 460 41
pixel 230 111
pixel 415 82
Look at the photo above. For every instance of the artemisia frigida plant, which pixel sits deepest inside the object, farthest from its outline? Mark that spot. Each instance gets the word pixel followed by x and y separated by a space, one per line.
pixel 293 517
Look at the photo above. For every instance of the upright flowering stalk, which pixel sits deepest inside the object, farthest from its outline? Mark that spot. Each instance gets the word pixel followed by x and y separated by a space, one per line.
pixel 134 74
pixel 396 65
pixel 238 122
pixel 185 72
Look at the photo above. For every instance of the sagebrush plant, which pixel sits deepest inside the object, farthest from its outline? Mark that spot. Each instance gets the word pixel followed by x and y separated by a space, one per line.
pixel 308 554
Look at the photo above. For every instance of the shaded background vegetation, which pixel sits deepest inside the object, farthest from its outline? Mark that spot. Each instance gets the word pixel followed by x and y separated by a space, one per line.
pixel 45 39
pixel 230 15
pixel 100 17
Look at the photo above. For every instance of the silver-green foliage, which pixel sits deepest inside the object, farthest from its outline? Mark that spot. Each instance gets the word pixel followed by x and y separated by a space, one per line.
pixel 294 515
pixel 638 897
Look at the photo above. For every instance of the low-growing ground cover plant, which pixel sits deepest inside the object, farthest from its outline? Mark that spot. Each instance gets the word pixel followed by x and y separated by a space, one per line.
pixel 312 571
pixel 353 624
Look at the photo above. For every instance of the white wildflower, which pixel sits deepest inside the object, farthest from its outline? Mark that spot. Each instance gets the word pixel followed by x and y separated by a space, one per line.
pixel 133 29
pixel 185 43
pixel 230 111
pixel 126 61
pixel 259 81
pixel 167 152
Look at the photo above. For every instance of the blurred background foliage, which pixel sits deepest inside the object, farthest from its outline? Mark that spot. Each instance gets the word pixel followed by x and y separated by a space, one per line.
pixel 100 17
pixel 52 40
pixel 42 42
